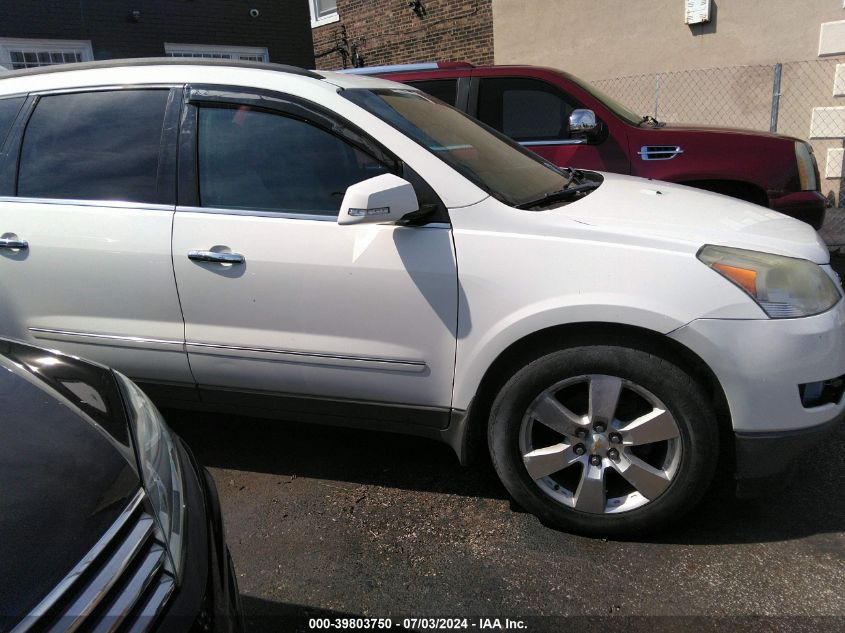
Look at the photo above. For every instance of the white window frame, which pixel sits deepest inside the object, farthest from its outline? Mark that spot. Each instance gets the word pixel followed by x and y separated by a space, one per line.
pixel 29 45
pixel 170 49
pixel 316 20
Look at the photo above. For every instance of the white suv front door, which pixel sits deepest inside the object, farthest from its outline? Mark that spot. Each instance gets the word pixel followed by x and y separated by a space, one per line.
pixel 277 297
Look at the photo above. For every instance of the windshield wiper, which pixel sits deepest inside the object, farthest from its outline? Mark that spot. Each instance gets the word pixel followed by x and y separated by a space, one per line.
pixel 572 176
pixel 563 194
pixel 650 120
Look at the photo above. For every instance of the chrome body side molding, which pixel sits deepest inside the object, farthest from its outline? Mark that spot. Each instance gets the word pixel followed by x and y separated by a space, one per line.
pixel 281 355
pixel 320 358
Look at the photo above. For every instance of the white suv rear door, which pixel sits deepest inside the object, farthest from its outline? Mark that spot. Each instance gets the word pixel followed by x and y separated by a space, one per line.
pixel 87 196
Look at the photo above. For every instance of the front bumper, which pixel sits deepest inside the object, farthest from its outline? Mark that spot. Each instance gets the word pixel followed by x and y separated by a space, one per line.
pixel 760 365
pixel 764 460
pixel 208 598
pixel 809 206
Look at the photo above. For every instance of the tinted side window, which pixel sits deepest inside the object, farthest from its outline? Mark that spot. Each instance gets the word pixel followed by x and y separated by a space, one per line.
pixel 524 109
pixel 252 159
pixel 9 109
pixel 94 146
pixel 443 89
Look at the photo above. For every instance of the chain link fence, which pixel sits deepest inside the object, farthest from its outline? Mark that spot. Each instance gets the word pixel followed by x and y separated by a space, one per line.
pixel 795 98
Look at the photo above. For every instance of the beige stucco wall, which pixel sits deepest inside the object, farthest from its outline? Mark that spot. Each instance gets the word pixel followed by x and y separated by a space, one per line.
pixel 598 39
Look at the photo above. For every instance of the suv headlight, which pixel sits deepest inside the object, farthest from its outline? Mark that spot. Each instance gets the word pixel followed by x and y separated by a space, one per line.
pixel 161 471
pixel 784 287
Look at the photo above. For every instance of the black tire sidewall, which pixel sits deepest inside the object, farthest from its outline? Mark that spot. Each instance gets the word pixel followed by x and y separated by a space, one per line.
pixel 682 396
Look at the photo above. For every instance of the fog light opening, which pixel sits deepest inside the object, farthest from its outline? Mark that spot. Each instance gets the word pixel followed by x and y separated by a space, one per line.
pixel 816 394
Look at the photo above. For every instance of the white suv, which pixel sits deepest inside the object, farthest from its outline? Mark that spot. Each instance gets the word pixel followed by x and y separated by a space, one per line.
pixel 271 241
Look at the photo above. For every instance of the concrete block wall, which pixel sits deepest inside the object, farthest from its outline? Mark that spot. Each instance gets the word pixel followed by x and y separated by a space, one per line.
pixel 828 122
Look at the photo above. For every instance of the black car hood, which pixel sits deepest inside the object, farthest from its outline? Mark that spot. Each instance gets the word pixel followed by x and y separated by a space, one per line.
pixel 63 481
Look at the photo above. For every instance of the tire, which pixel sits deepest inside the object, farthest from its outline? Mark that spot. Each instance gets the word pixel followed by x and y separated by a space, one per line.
pixel 659 423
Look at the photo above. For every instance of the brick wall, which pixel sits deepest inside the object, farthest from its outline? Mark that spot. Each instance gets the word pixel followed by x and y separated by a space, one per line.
pixel 388 32
pixel 282 27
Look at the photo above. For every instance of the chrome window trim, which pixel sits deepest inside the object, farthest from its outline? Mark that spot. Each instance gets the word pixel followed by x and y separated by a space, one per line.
pixel 58 591
pixel 13 95
pixel 258 213
pixel 104 88
pixel 571 141
pixel 285 215
pixel 390 364
pixel 144 206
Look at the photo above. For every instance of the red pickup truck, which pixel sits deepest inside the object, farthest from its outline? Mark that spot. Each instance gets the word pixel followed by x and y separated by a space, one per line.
pixel 571 123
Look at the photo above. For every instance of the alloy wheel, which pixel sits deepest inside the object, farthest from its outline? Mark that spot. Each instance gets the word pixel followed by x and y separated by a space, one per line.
pixel 600 444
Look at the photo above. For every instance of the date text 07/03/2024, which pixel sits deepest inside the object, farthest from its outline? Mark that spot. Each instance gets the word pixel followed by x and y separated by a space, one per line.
pixel 417 624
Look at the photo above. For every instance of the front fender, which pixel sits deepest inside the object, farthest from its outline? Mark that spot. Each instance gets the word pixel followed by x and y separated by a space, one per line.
pixel 475 357
pixel 521 272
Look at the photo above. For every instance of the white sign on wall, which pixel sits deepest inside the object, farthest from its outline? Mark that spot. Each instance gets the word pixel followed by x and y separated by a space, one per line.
pixel 696 11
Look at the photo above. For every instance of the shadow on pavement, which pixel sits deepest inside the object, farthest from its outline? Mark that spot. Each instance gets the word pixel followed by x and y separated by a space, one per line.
pixel 814 503
pixel 332 453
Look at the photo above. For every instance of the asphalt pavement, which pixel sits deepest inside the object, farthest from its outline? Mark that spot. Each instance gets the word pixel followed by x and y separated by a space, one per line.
pixel 331 523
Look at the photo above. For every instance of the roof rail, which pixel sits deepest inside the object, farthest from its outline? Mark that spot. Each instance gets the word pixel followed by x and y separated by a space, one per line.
pixel 399 68
pixel 160 61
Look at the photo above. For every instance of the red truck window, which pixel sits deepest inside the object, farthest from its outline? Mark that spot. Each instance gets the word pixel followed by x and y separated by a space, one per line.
pixel 524 109
pixel 443 89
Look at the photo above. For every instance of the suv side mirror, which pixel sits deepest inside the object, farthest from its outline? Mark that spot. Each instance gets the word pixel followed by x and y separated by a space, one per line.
pixel 583 125
pixel 385 198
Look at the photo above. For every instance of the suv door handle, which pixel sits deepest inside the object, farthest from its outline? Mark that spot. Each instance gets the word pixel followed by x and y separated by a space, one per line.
pixel 14 243
pixel 216 258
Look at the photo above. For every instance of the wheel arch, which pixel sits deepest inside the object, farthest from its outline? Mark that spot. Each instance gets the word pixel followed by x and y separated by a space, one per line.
pixel 471 444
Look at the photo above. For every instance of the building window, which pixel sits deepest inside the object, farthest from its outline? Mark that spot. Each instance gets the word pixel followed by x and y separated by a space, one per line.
pixel 323 12
pixel 241 53
pixel 16 54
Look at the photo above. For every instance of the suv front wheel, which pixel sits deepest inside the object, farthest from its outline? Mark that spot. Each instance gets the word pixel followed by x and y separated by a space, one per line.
pixel 603 440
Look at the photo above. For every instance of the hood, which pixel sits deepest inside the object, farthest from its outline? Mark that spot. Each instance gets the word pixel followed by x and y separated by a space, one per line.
pixel 711 129
pixel 657 211
pixel 64 479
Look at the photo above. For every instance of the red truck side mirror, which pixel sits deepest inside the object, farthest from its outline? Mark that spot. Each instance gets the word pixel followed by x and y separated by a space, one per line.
pixel 583 125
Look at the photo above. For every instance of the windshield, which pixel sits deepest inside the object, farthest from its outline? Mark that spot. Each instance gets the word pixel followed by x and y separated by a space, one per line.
pixel 620 110
pixel 493 162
